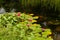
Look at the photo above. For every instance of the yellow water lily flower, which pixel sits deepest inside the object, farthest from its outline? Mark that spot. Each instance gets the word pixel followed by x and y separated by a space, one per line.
pixel 49 33
pixel 34 21
pixel 31 14
pixel 37 17
pixel 34 24
pixel 49 36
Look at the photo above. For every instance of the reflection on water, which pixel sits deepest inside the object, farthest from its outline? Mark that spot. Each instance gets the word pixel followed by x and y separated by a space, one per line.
pixel 2 10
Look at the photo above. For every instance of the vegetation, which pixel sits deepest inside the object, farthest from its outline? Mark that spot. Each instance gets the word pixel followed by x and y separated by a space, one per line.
pixel 20 26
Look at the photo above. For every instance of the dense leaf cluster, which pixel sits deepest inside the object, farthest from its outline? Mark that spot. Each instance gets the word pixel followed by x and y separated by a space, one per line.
pixel 20 26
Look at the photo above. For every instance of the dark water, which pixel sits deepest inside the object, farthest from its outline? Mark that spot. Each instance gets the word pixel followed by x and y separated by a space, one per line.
pixel 56 36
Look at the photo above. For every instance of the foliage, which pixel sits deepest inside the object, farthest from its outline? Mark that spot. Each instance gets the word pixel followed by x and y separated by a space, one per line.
pixel 20 26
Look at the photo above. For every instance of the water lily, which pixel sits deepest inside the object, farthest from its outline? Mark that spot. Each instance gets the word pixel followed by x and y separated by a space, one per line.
pixel 49 36
pixel 30 20
pixel 34 21
pixel 35 17
pixel 19 13
pixel 49 32
pixel 31 14
pixel 28 25
pixel 34 24
pixel 43 29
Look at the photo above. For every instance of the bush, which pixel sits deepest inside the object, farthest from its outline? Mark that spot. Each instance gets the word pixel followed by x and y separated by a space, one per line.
pixel 20 26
